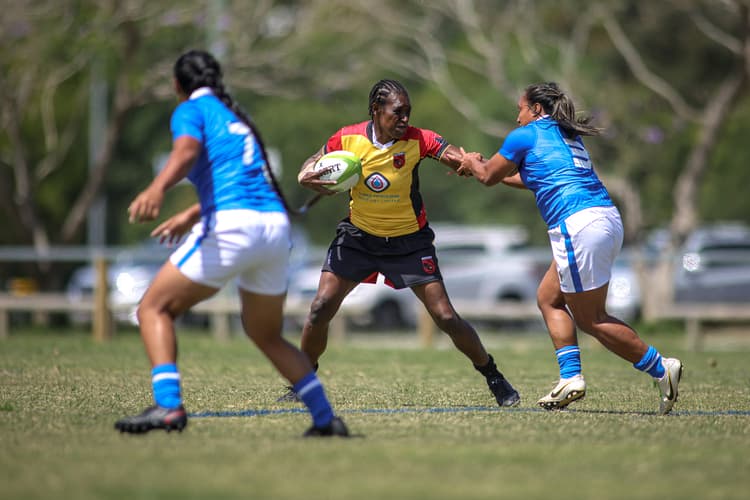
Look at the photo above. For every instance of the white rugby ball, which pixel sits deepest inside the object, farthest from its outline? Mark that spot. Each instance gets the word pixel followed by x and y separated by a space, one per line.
pixel 341 166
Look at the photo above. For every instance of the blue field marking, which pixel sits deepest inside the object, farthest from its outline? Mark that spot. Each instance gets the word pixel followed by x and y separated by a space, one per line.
pixel 466 409
pixel 246 413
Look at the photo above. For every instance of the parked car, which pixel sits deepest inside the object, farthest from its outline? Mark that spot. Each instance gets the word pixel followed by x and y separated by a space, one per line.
pixel 128 275
pixel 714 265
pixel 624 299
pixel 484 265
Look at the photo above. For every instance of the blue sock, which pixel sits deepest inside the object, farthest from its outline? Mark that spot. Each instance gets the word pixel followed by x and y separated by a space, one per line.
pixel 569 359
pixel 651 363
pixel 165 379
pixel 310 391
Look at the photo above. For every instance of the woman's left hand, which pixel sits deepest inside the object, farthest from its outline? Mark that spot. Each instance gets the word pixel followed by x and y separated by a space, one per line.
pixel 171 231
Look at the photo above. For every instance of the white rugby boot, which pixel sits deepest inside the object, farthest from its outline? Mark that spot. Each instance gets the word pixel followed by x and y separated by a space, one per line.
pixel 565 392
pixel 668 384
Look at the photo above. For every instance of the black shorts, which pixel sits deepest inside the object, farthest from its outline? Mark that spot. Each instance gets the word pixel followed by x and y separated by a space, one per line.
pixel 405 261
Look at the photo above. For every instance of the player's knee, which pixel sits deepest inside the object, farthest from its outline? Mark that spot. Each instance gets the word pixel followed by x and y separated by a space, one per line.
pixel 447 320
pixel 145 313
pixel 541 302
pixel 322 310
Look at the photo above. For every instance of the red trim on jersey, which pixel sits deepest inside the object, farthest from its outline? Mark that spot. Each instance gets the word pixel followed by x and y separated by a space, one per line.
pixel 334 142
pixel 422 217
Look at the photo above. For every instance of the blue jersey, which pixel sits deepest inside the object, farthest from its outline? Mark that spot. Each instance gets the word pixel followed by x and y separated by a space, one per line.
pixel 556 169
pixel 229 173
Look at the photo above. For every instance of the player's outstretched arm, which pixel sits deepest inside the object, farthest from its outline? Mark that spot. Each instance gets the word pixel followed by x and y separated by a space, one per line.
pixel 452 157
pixel 488 172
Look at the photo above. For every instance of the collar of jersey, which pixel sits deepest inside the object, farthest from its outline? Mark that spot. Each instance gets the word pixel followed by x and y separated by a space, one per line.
pixel 200 92
pixel 375 141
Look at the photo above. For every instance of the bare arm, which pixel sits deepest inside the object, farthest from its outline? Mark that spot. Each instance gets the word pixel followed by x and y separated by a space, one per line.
pixel 488 172
pixel 452 157
pixel 310 179
pixel 514 181
pixel 147 204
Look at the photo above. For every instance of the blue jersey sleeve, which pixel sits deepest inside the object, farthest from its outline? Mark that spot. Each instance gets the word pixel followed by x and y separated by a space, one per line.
pixel 187 119
pixel 517 144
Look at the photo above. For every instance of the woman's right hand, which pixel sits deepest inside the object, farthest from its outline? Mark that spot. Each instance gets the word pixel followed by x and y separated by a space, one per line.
pixel 146 205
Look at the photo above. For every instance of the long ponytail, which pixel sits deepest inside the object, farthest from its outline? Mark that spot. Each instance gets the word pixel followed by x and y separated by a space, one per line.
pixel 560 107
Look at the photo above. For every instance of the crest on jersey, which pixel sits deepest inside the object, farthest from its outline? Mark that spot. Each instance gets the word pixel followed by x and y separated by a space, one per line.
pixel 399 160
pixel 377 182
pixel 428 264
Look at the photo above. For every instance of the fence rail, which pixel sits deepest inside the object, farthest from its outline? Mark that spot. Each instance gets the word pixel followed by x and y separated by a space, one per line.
pixel 219 310
pixel 697 316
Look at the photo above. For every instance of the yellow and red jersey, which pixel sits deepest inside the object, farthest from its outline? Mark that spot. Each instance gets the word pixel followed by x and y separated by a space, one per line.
pixel 386 201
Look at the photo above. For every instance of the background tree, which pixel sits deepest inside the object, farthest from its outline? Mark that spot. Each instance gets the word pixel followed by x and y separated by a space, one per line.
pixel 60 49
pixel 671 118
pixel 666 79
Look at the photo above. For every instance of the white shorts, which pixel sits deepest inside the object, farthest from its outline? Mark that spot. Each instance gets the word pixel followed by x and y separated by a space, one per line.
pixel 252 246
pixel 585 246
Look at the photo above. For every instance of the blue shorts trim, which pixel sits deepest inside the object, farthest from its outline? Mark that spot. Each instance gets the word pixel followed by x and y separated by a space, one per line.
pixel 574 273
pixel 197 243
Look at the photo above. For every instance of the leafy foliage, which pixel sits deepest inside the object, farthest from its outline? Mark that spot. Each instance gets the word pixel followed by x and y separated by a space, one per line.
pixel 303 72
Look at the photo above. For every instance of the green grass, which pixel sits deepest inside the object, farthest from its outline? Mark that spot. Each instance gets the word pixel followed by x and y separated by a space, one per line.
pixel 61 393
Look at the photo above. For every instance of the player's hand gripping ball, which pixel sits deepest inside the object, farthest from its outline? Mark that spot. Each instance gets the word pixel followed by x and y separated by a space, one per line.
pixel 341 166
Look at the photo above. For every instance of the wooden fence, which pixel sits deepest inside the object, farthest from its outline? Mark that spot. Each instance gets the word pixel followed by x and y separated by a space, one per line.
pixel 697 317
pixel 221 309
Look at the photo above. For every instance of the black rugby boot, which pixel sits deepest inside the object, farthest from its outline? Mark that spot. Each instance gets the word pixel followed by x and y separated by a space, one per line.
pixel 337 427
pixel 154 417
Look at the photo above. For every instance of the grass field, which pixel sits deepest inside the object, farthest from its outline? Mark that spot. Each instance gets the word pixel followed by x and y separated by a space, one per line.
pixel 427 425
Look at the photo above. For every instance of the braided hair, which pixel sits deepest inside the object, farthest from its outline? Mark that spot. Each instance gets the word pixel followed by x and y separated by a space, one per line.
pixel 380 92
pixel 197 68
pixel 560 107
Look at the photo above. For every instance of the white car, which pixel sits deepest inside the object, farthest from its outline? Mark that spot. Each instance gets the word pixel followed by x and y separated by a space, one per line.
pixel 624 296
pixel 128 276
pixel 714 265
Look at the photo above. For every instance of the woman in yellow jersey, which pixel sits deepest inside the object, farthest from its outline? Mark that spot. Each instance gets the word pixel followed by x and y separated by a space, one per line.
pixel 387 231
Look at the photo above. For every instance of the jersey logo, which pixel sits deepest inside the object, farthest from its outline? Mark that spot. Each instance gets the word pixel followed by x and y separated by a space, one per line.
pixel 399 160
pixel 428 264
pixel 377 182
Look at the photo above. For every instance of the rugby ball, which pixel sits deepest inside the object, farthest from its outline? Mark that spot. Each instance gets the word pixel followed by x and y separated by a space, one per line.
pixel 341 166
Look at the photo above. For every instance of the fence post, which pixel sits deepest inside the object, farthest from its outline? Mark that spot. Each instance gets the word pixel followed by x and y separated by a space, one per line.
pixel 337 328
pixel 694 334
pixel 4 322
pixel 220 325
pixel 102 316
